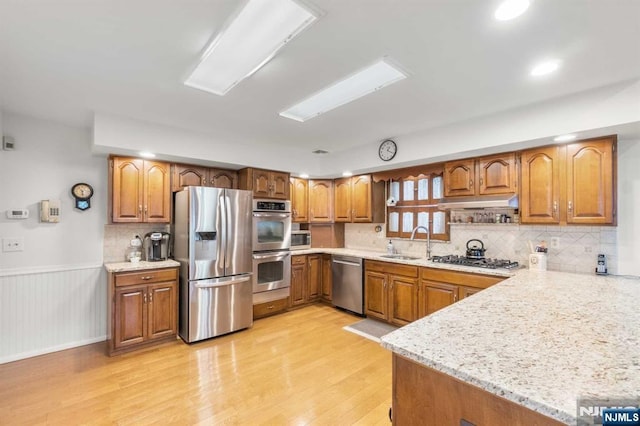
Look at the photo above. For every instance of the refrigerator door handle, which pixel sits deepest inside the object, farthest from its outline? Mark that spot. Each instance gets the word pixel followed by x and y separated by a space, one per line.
pixel 222 229
pixel 222 282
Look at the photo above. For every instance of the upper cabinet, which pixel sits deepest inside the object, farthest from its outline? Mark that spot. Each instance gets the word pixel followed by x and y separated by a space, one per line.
pixel 265 183
pixel 495 174
pixel 299 200
pixel 321 201
pixel 183 175
pixel 359 199
pixel 573 184
pixel 140 190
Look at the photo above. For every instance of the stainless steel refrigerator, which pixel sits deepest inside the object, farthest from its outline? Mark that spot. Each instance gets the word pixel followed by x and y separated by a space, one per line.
pixel 212 230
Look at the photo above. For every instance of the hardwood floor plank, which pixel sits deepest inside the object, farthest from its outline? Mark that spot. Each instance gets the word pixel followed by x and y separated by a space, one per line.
pixel 295 368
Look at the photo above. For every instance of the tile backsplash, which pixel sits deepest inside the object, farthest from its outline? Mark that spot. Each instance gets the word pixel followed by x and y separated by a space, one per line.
pixel 118 236
pixel 578 248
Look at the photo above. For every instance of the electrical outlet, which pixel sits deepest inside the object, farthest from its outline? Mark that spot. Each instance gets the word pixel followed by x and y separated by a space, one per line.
pixel 13 244
pixel 587 249
pixel 555 242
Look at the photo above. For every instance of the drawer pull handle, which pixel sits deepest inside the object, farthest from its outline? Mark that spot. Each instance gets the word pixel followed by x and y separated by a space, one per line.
pixel 148 277
pixel 270 307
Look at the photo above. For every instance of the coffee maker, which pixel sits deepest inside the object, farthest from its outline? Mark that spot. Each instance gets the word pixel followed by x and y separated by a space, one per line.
pixel 156 246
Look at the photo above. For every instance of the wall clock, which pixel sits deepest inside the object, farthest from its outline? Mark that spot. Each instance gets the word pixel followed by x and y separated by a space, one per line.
pixel 387 150
pixel 82 192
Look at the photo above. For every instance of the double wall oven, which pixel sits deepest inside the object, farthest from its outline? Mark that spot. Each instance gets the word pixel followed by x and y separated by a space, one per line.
pixel 271 245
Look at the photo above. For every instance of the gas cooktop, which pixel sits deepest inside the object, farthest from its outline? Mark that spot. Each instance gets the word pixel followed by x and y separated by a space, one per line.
pixel 479 263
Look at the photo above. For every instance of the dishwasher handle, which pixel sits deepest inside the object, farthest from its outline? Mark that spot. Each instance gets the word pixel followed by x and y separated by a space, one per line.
pixel 346 262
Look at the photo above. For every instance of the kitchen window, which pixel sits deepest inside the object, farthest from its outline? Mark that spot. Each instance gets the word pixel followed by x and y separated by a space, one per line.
pixel 417 205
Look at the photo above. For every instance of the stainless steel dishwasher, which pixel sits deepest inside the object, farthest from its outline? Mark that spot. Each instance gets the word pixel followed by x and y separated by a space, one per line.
pixel 348 287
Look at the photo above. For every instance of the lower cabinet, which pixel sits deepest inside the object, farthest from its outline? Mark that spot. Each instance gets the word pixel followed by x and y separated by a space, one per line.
pixel 143 308
pixel 327 278
pixel 391 292
pixel 306 279
pixel 441 288
pixel 261 310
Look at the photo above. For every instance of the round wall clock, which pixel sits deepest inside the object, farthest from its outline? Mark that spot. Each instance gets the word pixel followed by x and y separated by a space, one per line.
pixel 387 150
pixel 82 192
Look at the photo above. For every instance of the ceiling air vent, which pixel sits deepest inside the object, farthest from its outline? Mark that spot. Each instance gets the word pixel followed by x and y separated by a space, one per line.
pixel 319 151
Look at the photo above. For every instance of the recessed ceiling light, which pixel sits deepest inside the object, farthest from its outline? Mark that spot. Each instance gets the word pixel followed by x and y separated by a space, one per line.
pixel 347 174
pixel 564 138
pixel 545 68
pixel 251 38
pixel 146 154
pixel 360 84
pixel 320 152
pixel 304 176
pixel 511 9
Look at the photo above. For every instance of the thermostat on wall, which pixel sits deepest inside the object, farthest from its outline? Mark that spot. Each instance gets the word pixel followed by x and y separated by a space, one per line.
pixel 17 214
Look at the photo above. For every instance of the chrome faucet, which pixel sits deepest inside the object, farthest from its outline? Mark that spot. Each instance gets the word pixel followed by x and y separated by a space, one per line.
pixel 413 236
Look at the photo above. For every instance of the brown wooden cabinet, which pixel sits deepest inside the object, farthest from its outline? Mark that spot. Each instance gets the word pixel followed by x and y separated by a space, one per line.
pixel 265 183
pixel 359 199
pixel 321 201
pixel 265 309
pixel 327 278
pixel 306 279
pixel 391 292
pixel 572 184
pixel 490 175
pixel 188 175
pixel 299 200
pixel 143 308
pixel 139 190
pixel 440 288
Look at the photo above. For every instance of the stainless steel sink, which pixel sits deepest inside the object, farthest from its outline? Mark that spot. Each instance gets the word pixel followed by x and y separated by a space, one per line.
pixel 399 256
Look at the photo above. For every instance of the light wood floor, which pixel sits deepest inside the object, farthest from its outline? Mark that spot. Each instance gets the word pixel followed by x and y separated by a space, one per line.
pixel 296 368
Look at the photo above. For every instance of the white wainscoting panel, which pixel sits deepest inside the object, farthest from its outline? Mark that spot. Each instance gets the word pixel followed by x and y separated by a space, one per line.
pixel 48 311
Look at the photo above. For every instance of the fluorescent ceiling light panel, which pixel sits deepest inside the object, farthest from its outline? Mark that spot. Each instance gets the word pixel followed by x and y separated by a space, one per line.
pixel 363 82
pixel 511 9
pixel 248 42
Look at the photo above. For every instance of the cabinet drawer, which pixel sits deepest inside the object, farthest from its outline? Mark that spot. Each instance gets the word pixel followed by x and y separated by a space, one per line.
pixel 299 259
pixel 145 277
pixel 391 268
pixel 269 308
pixel 461 278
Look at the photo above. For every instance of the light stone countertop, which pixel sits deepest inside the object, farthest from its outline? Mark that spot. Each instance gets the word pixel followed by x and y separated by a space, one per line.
pixel 140 266
pixel 540 339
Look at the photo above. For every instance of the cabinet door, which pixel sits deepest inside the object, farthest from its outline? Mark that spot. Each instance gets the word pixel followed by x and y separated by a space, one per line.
pixel 342 193
pixel 298 280
pixel 497 174
pixel 185 175
pixel 436 295
pixel 261 183
pixel 540 185
pixel 130 312
pixel 361 199
pixel 376 297
pixel 280 185
pixel 314 263
pixel 590 182
pixel 220 178
pixel 157 192
pixel 464 292
pixel 459 178
pixel 327 279
pixel 403 300
pixel 162 307
pixel 321 201
pixel 127 199
pixel 299 200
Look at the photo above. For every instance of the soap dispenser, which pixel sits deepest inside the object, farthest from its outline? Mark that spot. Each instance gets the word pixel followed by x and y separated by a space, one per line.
pixel 390 249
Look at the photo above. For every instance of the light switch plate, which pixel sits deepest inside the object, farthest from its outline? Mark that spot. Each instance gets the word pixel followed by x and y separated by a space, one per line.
pixel 555 242
pixel 12 244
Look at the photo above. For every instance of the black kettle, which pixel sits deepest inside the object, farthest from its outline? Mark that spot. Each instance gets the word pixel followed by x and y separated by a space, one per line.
pixel 475 252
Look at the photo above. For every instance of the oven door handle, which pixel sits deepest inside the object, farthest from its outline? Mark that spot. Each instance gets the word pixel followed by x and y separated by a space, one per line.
pixel 282 215
pixel 271 256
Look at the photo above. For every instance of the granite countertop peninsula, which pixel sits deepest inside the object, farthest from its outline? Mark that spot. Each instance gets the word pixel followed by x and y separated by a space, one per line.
pixel 140 266
pixel 540 339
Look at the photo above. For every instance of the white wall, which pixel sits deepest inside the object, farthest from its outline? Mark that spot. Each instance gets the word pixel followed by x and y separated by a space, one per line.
pixel 628 208
pixel 49 158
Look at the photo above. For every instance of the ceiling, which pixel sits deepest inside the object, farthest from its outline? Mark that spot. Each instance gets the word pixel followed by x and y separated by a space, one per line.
pixel 65 60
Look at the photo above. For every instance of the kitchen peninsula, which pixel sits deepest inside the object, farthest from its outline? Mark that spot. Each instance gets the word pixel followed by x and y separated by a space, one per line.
pixel 539 340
